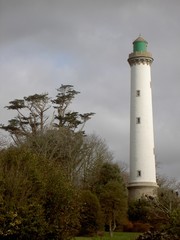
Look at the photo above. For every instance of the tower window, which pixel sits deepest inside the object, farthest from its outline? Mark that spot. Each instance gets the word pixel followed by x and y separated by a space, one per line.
pixel 138 120
pixel 137 93
pixel 139 173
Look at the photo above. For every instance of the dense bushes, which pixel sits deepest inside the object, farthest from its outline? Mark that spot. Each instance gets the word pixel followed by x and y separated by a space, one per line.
pixel 90 214
pixel 161 213
pixel 136 227
pixel 57 181
pixel 156 235
pixel 36 200
pixel 39 199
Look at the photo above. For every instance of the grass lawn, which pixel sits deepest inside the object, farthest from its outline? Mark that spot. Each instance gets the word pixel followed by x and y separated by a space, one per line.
pixel 116 236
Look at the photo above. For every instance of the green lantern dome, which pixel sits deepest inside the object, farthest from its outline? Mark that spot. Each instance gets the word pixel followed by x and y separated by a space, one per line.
pixel 140 45
pixel 140 53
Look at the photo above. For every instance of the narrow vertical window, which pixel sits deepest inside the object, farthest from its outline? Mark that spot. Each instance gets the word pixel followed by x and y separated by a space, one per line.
pixel 138 120
pixel 137 93
pixel 139 173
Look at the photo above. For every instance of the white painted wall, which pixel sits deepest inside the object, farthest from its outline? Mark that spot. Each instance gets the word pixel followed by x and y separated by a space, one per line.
pixel 142 156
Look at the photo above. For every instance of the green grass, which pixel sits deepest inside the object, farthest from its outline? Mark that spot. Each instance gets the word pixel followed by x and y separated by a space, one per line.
pixel 116 236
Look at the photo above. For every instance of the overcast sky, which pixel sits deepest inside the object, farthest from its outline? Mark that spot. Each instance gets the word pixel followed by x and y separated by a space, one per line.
pixel 46 43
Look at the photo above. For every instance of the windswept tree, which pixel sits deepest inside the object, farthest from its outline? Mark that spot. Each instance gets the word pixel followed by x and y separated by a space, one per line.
pixel 30 118
pixel 63 116
pixel 62 139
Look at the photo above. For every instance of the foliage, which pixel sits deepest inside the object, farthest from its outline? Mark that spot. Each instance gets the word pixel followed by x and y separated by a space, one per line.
pixel 112 194
pixel 21 208
pixel 107 172
pixel 36 200
pixel 60 204
pixel 114 204
pixel 32 120
pixel 165 210
pixel 167 183
pixel 42 201
pixel 162 212
pixel 50 164
pixel 72 120
pixel 63 147
pixel 79 156
pixel 156 235
pixel 30 117
pixel 90 214
pixel 96 154
pixel 136 227
pixel 24 222
pixel 175 221
pixel 139 210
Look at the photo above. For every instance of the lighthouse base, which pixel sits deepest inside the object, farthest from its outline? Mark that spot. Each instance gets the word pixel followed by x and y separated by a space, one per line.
pixel 137 190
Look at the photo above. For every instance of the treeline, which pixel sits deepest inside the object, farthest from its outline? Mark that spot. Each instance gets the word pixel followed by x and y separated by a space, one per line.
pixel 55 181
pixel 42 198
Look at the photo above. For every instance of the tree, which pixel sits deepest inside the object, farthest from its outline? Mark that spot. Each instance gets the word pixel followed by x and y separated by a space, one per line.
pixel 113 201
pixel 36 199
pixel 79 156
pixel 111 191
pixel 96 154
pixel 21 208
pixel 3 141
pixel 90 214
pixel 139 210
pixel 61 204
pixel 36 183
pixel 61 146
pixel 165 209
pixel 71 120
pixel 161 212
pixel 31 119
pixel 108 172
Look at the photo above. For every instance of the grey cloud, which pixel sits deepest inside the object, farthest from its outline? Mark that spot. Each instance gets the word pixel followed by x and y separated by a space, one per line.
pixel 86 43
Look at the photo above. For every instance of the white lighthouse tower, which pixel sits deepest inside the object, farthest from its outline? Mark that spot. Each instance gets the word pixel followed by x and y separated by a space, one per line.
pixel 142 158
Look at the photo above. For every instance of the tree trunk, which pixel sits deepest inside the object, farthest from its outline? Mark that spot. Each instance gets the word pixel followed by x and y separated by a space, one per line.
pixel 110 229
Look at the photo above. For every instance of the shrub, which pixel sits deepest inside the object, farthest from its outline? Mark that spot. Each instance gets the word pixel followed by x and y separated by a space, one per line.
pixel 140 227
pixel 36 200
pixel 90 214
pixel 128 227
pixel 156 235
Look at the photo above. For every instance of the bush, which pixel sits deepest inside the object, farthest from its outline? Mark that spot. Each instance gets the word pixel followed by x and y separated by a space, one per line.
pixel 156 235
pixel 128 227
pixel 140 227
pixel 136 227
pixel 36 199
pixel 90 214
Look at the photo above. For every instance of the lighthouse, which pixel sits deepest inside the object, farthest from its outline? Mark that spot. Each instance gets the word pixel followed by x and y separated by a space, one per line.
pixel 142 181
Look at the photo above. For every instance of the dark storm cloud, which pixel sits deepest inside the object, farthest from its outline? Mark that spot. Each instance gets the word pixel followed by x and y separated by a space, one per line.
pixel 86 43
